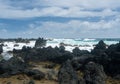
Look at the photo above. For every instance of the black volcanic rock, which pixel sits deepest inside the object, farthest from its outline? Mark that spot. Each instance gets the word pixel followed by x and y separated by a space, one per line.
pixel 77 52
pixel 113 48
pixel 64 57
pixel 16 65
pixel 109 58
pixel 94 74
pixel 113 64
pixel 99 49
pixel 1 49
pixel 67 75
pixel 84 58
pixel 101 45
pixel 40 42
pixel 13 66
pixel 117 77
pixel 118 47
pixel 62 49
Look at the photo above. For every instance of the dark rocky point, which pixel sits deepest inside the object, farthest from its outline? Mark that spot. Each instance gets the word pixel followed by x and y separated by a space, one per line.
pixel 94 74
pixel 67 75
pixel 40 42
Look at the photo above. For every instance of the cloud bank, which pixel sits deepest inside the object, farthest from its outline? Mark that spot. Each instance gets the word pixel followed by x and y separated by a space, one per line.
pixel 18 9
pixel 74 29
pixel 79 18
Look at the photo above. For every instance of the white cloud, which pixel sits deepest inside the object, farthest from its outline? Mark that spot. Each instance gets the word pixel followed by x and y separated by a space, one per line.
pixel 54 11
pixel 22 9
pixel 76 8
pixel 74 29
pixel 70 29
pixel 3 31
pixel 88 4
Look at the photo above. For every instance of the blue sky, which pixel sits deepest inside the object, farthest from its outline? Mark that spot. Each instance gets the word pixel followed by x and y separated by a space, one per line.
pixel 60 18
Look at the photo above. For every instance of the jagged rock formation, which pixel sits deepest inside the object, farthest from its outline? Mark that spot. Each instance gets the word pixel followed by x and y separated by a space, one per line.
pixel 89 63
pixel 13 66
pixel 40 42
pixel 94 74
pixel 1 49
pixel 67 75
pixel 113 64
pixel 99 48
pixel 77 52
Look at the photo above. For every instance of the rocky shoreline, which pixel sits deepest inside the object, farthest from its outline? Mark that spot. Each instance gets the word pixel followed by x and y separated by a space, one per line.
pixel 58 66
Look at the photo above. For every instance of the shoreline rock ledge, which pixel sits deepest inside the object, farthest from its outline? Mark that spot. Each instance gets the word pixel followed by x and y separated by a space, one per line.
pixel 67 75
pixel 93 74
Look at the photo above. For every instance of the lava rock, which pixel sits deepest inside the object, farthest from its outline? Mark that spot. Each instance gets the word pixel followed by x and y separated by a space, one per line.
pixel 117 77
pixel 13 66
pixel 67 75
pixel 1 49
pixel 94 74
pixel 77 52
pixel 40 42
pixel 99 48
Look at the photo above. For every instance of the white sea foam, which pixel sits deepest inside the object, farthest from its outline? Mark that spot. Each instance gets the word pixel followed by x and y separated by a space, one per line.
pixel 9 46
pixel 83 44
pixel 70 44
pixel 87 39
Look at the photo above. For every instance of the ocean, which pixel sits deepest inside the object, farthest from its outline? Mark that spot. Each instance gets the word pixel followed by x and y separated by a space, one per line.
pixel 83 44
pixel 69 44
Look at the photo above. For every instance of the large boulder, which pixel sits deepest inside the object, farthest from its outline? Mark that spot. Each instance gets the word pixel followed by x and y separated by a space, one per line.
pixel 1 49
pixel 13 66
pixel 113 64
pixel 101 45
pixel 67 75
pixel 99 48
pixel 40 42
pixel 77 52
pixel 94 73
pixel 84 58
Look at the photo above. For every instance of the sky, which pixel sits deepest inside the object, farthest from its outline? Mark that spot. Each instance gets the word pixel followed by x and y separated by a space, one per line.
pixel 60 18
